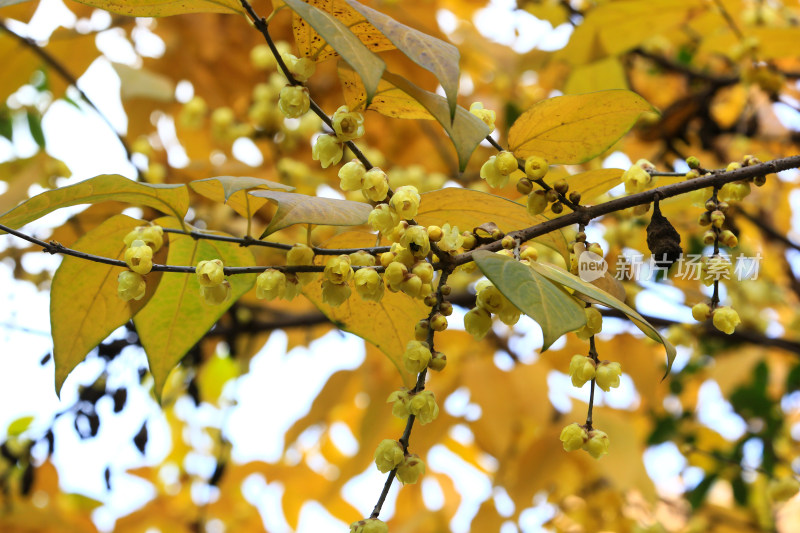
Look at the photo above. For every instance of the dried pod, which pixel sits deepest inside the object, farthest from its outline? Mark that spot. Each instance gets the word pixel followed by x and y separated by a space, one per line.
pixel 663 240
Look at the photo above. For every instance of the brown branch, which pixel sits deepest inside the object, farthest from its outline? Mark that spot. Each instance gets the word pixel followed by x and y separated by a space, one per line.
pixel 586 214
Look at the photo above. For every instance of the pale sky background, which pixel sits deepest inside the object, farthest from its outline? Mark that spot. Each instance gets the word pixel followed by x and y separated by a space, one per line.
pixel 84 141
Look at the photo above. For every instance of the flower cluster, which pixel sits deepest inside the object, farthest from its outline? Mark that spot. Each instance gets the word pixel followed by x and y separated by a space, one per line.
pixel 142 243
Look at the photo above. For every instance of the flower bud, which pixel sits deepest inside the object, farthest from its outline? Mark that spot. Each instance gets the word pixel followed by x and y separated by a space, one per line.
pixel 438 361
pixel 701 312
pixel 524 186
pixel 301 255
pixel 536 167
pixel 506 163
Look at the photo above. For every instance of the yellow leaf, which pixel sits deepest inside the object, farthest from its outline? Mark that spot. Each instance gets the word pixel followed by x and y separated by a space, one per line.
pixel 164 8
pixel 468 209
pixel 142 83
pixel 176 317
pixel 225 188
pixel 313 46
pixel 170 199
pixel 388 100
pixel 84 306
pixel 602 75
pixel 17 427
pixel 432 54
pixel 388 324
pixel 296 208
pixel 573 129
pixel 340 38
pixel 20 174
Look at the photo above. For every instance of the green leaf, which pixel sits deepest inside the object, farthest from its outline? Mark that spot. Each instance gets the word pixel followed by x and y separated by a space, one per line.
pixel 465 130
pixel 35 126
pixel 176 317
pixel 84 306
pixel 553 308
pixel 224 189
pixel 368 65
pixel 432 54
pixel 567 279
pixel 575 128
pixel 19 426
pixel 294 208
pixel 170 199
pixel 468 209
pixel 164 8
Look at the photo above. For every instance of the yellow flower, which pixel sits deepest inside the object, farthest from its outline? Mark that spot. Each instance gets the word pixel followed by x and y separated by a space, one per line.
pixel 369 284
pixel 351 176
pixel 451 239
pixel 417 356
pixel 423 406
pixel 388 455
pixel 411 469
pixel 139 257
pixel 210 273
pixel 486 115
pixel 301 68
pixel 369 525
pixel 635 179
pixel 327 150
pixel 399 400
pixel 299 255
pixel 581 369
pixel 130 286
pixel 376 186
pixel 536 167
pixel 726 319
pixel 338 270
pixel 270 284
pixel 597 445
pixel 335 294
pixel 573 437
pixel 607 375
pixel 383 219
pixel 477 322
pixel 347 125
pixel 153 236
pixel 415 239
pixel 405 201
pixel 216 294
pixel 492 174
pixel 294 101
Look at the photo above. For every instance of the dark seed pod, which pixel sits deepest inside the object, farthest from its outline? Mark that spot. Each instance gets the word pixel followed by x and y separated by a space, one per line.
pixel 26 484
pixel 663 240
pixel 120 396
pixel 140 440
